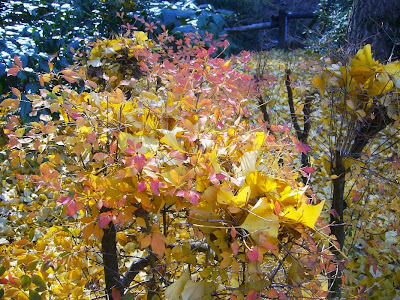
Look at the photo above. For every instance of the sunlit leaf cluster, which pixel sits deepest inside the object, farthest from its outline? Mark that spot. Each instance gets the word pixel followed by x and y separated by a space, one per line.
pixel 157 140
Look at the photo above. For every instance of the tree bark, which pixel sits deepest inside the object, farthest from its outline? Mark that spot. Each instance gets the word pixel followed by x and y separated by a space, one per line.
pixel 376 22
pixel 110 260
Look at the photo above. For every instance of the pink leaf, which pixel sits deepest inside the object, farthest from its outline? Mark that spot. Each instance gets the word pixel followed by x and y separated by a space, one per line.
pixel 12 72
pixel 91 137
pixel 252 254
pixel 139 161
pixel 302 147
pixel 181 193
pixel 194 197
pixel 141 186
pixel 65 200
pixel 122 201
pixel 154 185
pixel 178 155
pixel 104 219
pixel 216 178
pixel 226 43
pixel 356 197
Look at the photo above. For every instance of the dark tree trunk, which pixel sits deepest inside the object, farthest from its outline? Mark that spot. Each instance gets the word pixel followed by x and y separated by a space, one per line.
pixel 110 260
pixel 376 22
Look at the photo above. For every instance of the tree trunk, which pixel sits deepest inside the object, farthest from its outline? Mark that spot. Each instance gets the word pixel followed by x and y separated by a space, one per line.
pixel 110 261
pixel 376 22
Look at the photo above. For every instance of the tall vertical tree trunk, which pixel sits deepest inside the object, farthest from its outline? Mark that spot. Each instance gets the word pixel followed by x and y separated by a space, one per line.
pixel 110 260
pixel 376 22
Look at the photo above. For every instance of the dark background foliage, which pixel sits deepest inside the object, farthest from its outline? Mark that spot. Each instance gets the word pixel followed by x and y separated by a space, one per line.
pixel 34 30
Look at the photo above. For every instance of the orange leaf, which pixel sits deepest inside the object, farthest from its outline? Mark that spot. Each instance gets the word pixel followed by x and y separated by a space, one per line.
pixel 16 92
pixel 145 242
pixel 157 244
pixel 18 61
pixel 88 230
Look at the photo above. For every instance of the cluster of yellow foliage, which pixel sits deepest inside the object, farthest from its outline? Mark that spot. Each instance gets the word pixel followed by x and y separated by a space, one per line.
pixel 165 152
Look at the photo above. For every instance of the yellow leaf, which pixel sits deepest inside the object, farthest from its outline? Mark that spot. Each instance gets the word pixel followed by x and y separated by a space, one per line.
pixel 173 292
pixel 198 290
pixel 75 275
pixel 26 259
pixel 261 220
pixel 248 163
pixel 225 195
pixel 40 244
pixel 299 109
pixel 140 36
pixel 169 139
pixel 320 83
pixel 307 214
pixel 259 141
pixel 120 95
pixel 362 65
pixel 259 184
pixel 242 197
pixel 20 132
pixel 291 197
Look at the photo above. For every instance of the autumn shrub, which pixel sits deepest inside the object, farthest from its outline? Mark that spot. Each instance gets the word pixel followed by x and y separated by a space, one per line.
pixel 353 119
pixel 363 99
pixel 148 177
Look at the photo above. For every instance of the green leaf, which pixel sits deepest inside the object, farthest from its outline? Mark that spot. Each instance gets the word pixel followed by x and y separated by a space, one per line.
pixel 34 295
pixel 32 266
pixel 25 281
pixel 1 293
pixel 2 270
pixel 36 279
pixel 31 234
pixel 128 297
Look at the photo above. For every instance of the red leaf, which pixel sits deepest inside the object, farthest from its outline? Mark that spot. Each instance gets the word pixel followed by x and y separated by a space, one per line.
pixel 116 295
pixel 3 280
pixel 252 254
pixel 252 295
pixel 309 170
pixel 282 296
pixel 302 147
pixel 374 268
pixel 334 213
pixel 72 208
pixel 233 232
